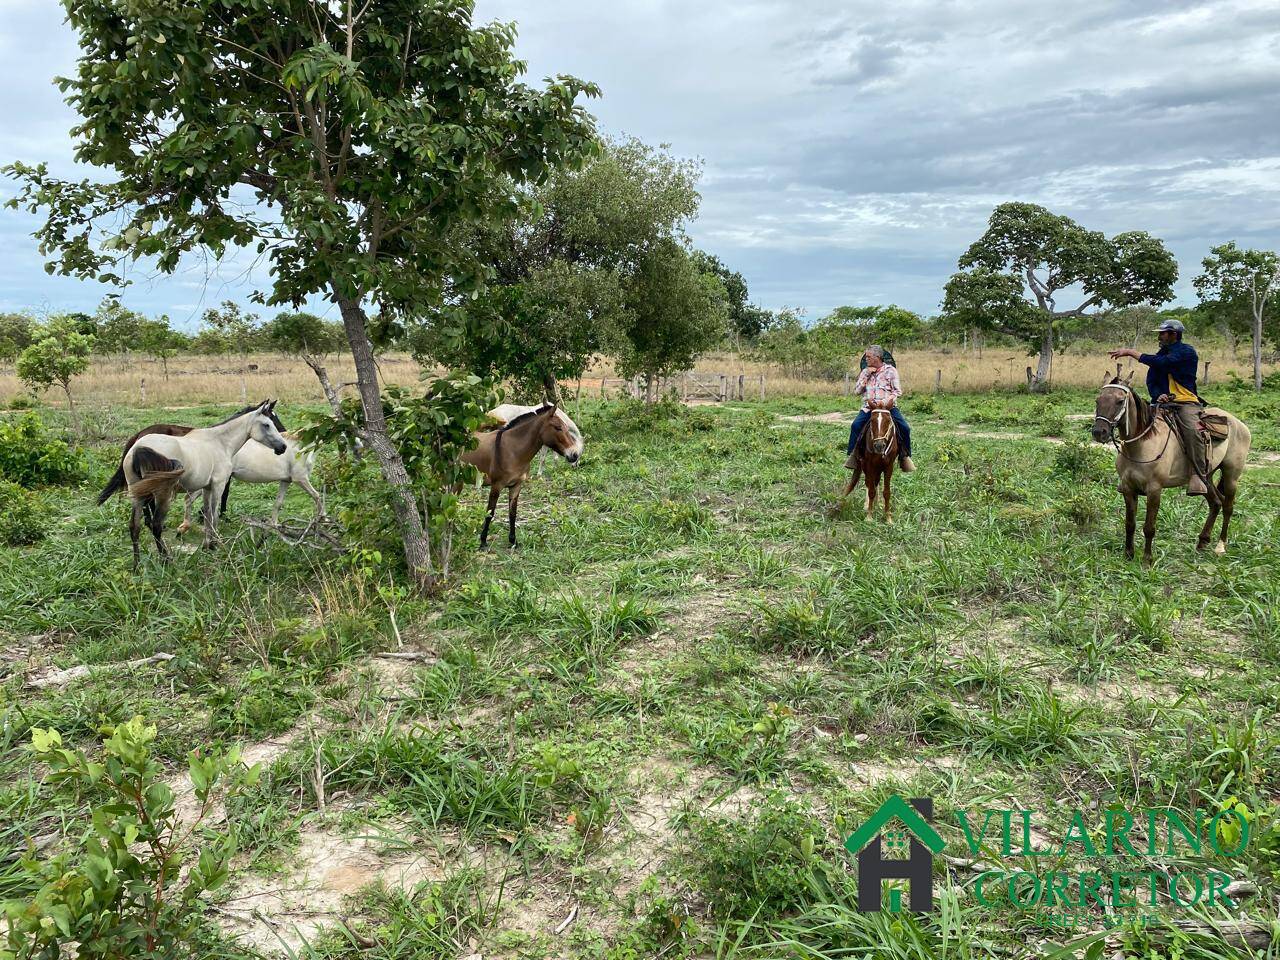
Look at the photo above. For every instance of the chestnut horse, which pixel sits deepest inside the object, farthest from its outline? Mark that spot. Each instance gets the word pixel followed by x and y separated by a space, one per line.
pixel 879 446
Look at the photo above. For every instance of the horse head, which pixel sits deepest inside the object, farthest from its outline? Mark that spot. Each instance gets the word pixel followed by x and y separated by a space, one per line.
pixel 1111 407
pixel 880 432
pixel 266 427
pixel 555 433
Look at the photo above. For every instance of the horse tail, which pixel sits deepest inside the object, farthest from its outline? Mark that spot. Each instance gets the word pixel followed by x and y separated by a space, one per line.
pixel 226 491
pixel 156 473
pixel 114 485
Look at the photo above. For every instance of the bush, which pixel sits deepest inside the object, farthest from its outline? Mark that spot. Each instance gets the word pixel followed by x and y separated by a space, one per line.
pixel 31 456
pixel 24 519
pixel 134 885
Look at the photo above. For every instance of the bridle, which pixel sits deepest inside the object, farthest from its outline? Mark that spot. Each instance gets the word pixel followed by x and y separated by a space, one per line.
pixel 893 428
pixel 1121 443
pixel 1119 417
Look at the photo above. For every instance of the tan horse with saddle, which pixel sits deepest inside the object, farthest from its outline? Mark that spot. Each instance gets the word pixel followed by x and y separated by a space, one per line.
pixel 1174 443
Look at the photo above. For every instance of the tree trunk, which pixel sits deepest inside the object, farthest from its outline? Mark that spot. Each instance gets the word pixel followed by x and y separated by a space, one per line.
pixel 1040 382
pixel 1257 350
pixel 322 375
pixel 413 535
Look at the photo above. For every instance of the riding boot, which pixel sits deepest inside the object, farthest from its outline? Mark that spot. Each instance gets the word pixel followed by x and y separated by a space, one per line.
pixel 852 462
pixel 908 466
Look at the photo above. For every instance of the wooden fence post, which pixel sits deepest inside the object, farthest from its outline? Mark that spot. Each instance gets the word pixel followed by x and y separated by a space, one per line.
pixel 1206 370
pixel 1028 377
pixel 724 390
pixel 762 386
pixel 742 379
pixel 937 383
pixel 142 384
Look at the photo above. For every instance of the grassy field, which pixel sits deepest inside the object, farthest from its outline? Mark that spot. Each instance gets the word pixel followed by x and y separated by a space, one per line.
pixel 648 732
pixel 194 379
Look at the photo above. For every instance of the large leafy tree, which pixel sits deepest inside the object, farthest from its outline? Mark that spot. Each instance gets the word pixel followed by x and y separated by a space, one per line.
pixel 1011 278
pixel 675 312
pixel 1237 284
pixel 17 332
pixel 360 133
pixel 556 297
pixel 59 354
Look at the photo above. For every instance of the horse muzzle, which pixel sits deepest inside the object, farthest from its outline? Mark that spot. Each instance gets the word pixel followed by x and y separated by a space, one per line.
pixel 278 450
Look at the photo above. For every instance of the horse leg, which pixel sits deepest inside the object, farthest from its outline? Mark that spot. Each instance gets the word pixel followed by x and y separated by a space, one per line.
pixel 275 511
pixel 488 517
pixel 888 477
pixel 513 500
pixel 1130 521
pixel 305 484
pixel 873 479
pixel 211 517
pixel 1206 532
pixel 159 511
pixel 1149 528
pixel 1227 492
pixel 186 513
pixel 135 528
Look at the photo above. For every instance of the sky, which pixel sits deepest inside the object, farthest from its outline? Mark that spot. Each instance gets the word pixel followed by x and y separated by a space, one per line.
pixel 851 150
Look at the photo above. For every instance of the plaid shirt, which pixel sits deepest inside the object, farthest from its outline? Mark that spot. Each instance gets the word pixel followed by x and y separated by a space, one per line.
pixel 881 387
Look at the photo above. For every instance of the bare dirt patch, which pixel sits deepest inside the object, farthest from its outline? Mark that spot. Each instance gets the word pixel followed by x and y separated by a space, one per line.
pixel 288 911
pixel 837 417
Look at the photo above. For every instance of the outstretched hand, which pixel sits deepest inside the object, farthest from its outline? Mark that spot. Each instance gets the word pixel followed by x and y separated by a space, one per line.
pixel 1124 352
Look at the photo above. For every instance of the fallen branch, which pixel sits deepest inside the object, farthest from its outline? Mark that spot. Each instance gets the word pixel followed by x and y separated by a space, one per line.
pixel 59 678
pixel 416 656
pixel 564 924
pixel 312 533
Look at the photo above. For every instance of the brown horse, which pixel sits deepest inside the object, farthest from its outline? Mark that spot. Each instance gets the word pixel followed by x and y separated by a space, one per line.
pixel 1149 459
pixel 504 455
pixel 879 446
pixel 117 481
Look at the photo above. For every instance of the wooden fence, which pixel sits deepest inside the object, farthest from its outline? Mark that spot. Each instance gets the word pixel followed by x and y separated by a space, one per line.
pixel 689 386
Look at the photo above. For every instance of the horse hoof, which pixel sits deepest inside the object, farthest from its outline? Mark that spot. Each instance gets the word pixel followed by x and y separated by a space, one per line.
pixel 888 521
pixel 1220 549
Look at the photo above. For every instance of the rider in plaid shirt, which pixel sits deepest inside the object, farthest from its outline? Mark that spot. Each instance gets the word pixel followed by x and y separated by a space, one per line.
pixel 880 388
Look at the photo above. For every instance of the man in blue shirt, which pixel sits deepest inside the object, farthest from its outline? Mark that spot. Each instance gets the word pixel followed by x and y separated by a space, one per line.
pixel 1171 381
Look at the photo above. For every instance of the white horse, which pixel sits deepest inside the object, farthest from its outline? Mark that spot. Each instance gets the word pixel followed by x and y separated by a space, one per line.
pixel 256 463
pixel 509 411
pixel 200 461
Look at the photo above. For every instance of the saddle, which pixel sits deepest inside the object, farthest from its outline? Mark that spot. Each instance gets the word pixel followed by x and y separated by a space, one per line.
pixel 1215 425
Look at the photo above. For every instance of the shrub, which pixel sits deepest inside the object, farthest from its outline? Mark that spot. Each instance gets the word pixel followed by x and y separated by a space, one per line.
pixel 134 885
pixel 24 519
pixel 31 456
pixel 1080 459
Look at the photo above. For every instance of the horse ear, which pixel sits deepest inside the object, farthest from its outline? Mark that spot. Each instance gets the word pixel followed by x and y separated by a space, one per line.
pixel 1129 378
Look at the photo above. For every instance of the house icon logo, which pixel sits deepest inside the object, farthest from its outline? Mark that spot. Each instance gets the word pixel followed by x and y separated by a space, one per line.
pixel 869 844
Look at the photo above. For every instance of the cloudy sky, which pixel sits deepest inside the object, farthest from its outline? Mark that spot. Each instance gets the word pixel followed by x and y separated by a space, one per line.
pixel 852 150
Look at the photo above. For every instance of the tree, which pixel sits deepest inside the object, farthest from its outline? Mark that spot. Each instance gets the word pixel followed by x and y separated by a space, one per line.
pixel 556 297
pixel 889 326
pixel 367 133
pixel 1242 283
pixel 17 332
pixel 116 328
pixel 307 336
pixel 160 341
pixel 674 313
pixel 234 329
pixel 746 320
pixel 59 354
pixel 1028 249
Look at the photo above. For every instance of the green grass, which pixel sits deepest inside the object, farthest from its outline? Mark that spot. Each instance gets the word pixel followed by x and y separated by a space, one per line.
pixel 697 659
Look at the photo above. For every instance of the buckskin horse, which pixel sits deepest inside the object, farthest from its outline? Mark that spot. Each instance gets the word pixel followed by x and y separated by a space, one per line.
pixel 879 446
pixel 504 455
pixel 1149 460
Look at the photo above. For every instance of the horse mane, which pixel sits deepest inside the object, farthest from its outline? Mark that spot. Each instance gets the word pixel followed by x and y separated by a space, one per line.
pixel 249 409
pixel 523 417
pixel 1142 409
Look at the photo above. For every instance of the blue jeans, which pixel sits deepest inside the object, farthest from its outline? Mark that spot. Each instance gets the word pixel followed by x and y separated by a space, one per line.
pixel 904 431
